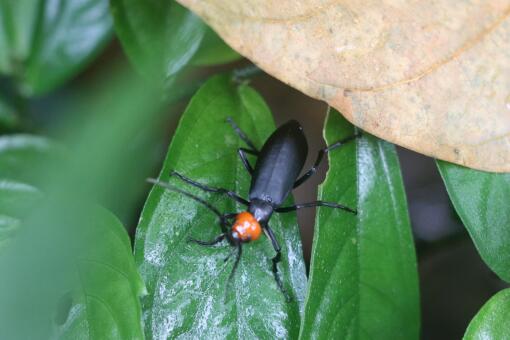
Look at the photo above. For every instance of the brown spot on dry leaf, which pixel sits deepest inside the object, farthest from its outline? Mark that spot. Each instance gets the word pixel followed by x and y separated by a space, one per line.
pixel 432 76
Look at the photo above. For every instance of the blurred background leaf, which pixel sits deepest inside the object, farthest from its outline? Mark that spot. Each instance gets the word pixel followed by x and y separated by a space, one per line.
pixel 161 37
pixel 492 320
pixel 188 290
pixel 45 42
pixel 213 51
pixel 363 277
pixel 481 199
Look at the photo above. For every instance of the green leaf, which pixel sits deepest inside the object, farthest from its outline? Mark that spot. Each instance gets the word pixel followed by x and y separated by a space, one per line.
pixel 45 42
pixel 159 36
pixel 214 50
pixel 481 200
pixel 492 320
pixel 68 36
pixel 363 280
pixel 189 295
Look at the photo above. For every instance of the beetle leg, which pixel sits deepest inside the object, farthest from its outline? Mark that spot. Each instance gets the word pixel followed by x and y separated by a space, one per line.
pixel 204 187
pixel 320 157
pixel 241 134
pixel 312 170
pixel 208 243
pixel 276 259
pixel 315 204
pixel 242 154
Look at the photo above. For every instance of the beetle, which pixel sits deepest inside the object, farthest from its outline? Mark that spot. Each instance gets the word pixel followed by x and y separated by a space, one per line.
pixel 275 174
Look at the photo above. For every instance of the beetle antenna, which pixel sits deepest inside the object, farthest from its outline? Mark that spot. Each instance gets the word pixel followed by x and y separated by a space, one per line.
pixel 188 194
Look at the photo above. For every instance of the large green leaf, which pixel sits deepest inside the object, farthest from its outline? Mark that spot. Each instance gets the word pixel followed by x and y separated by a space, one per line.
pixel 189 295
pixel 45 42
pixel 481 200
pixel 493 320
pixel 363 278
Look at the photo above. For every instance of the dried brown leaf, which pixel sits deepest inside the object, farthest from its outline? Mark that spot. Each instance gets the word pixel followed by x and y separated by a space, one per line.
pixel 432 76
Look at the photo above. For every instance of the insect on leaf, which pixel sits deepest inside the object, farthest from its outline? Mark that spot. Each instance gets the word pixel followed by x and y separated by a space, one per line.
pixel 189 292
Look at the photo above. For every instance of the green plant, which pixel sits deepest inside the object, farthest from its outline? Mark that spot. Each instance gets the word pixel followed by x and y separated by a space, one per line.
pixel 65 259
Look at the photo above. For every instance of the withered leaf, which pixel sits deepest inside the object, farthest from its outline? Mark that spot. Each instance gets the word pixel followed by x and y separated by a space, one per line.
pixel 432 76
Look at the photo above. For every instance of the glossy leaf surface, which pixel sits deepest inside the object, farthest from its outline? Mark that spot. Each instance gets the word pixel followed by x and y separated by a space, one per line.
pixel 481 200
pixel 363 279
pixel 492 321
pixel 45 42
pixel 189 294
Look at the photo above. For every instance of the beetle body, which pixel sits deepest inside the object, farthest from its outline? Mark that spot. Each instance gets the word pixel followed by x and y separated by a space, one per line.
pixel 279 163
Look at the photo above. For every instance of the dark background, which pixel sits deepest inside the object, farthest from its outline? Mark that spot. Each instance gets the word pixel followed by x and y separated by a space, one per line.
pixel 454 281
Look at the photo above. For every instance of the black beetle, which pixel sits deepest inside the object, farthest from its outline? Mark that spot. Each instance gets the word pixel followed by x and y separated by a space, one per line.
pixel 275 174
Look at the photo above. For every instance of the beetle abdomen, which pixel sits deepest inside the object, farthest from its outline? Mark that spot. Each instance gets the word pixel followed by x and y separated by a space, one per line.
pixel 279 163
